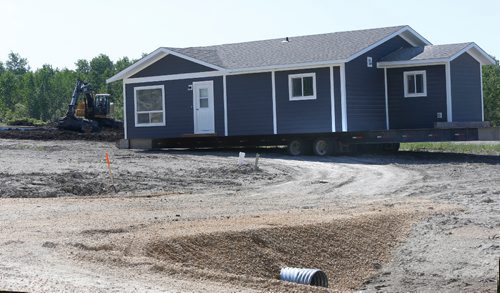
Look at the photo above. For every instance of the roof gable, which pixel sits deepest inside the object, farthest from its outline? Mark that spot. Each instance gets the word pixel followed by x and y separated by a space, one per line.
pixel 171 64
pixel 434 54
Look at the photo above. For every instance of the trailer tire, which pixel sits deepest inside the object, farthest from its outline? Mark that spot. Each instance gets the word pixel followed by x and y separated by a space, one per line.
pixel 392 147
pixel 297 147
pixel 322 147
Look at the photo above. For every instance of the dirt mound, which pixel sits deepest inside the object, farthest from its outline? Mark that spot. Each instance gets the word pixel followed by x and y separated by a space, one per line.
pixel 349 250
pixel 52 185
pixel 76 183
pixel 51 133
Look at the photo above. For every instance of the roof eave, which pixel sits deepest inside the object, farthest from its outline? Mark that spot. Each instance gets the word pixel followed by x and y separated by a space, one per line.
pixel 410 63
pixel 283 67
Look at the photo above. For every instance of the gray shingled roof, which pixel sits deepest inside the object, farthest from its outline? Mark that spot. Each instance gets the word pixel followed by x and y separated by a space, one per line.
pixel 275 52
pixel 425 53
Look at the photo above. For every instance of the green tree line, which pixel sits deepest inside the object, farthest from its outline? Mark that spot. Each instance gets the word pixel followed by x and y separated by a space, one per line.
pixel 44 94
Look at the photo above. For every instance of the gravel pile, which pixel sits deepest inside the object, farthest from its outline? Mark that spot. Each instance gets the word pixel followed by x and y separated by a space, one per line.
pixel 349 251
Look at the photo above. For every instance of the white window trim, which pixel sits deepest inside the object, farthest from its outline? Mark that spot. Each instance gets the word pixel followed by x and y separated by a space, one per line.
pixel 150 87
pixel 290 86
pixel 405 83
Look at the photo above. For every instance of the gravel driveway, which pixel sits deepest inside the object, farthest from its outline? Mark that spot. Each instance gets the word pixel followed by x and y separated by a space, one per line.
pixel 198 221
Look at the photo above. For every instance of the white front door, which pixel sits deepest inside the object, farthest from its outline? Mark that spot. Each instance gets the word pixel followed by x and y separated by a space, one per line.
pixel 203 106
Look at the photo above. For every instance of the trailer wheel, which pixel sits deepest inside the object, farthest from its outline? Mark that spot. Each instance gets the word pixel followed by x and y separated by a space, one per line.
pixel 297 147
pixel 322 147
pixel 391 147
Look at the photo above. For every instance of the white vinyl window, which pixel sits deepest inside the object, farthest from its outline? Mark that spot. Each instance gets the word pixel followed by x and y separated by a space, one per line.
pixel 415 83
pixel 149 105
pixel 302 86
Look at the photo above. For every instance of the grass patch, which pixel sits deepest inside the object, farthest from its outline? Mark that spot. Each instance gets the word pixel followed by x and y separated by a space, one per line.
pixel 453 147
pixel 25 122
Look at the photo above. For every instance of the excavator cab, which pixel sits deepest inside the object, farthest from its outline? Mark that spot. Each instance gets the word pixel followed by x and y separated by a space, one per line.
pixel 103 106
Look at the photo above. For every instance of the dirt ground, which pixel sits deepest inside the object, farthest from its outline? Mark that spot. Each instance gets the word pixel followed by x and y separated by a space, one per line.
pixel 196 221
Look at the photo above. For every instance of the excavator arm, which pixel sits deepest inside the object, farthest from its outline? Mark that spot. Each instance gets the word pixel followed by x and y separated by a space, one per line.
pixel 81 88
pixel 70 121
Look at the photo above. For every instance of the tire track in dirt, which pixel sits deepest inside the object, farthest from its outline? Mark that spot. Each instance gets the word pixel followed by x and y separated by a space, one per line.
pixel 336 181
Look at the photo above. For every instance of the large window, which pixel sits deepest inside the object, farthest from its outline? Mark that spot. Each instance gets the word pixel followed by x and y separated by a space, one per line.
pixel 415 84
pixel 302 86
pixel 150 105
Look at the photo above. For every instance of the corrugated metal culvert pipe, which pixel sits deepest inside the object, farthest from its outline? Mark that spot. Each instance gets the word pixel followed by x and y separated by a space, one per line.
pixel 313 277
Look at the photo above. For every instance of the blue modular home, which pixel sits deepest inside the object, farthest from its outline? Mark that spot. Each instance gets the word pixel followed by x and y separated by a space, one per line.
pixel 374 79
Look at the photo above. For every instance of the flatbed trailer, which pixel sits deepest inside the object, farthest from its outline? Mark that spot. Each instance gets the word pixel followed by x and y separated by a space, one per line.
pixel 322 143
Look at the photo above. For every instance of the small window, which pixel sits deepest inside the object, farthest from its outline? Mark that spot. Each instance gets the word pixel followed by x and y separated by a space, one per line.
pixel 369 62
pixel 150 106
pixel 415 84
pixel 302 86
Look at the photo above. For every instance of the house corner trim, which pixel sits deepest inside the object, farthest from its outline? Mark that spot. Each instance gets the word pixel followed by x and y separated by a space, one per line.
pixel 224 86
pixel 332 99
pixel 386 100
pixel 343 97
pixel 273 85
pixel 449 106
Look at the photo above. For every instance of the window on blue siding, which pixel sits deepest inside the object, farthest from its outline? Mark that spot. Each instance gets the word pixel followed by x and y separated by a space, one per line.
pixel 302 86
pixel 415 83
pixel 149 106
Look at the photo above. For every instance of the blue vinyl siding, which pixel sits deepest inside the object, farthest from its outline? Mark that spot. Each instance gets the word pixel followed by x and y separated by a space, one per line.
pixel 171 64
pixel 466 89
pixel 304 116
pixel 249 104
pixel 416 112
pixel 179 109
pixel 365 88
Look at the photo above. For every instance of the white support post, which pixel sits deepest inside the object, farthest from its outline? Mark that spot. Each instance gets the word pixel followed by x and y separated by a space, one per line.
pixel 482 98
pixel 273 84
pixel 224 85
pixel 125 136
pixel 449 106
pixel 332 98
pixel 386 100
pixel 343 97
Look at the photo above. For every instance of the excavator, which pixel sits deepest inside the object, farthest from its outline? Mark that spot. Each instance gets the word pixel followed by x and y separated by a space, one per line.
pixel 90 114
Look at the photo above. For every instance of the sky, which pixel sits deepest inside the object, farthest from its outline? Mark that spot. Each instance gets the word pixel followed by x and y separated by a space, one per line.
pixel 59 32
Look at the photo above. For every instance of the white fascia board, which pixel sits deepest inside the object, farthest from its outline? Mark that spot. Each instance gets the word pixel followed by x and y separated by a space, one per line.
pixel 477 53
pixel 397 33
pixel 153 57
pixel 285 67
pixel 172 77
pixel 412 63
